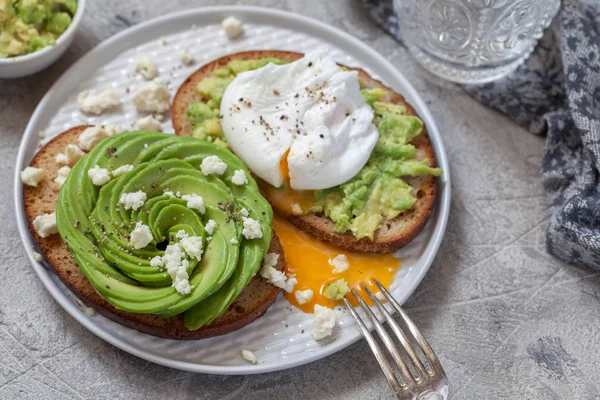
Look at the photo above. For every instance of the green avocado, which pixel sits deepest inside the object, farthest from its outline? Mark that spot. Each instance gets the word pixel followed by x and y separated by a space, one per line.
pixel 377 192
pixel 96 226
pixel 337 289
pixel 29 25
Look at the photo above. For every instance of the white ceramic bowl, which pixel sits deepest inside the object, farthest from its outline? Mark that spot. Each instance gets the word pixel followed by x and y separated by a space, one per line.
pixel 16 67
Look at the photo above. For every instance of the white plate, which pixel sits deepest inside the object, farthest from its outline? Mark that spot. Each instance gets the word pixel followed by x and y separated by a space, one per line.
pixel 276 337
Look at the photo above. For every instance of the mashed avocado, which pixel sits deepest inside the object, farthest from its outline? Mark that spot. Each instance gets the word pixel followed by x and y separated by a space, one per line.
pixel 377 192
pixel 29 25
pixel 337 290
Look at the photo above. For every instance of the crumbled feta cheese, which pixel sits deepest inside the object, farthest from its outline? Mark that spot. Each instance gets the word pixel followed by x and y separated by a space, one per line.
pixel 169 193
pixel 210 226
pixel 249 356
pixel 233 241
pixel 32 176
pixel 91 136
pixel 297 209
pixel 152 97
pixel 42 134
pixel 244 212
pixel 141 236
pixel 181 234
pixel 112 130
pixel 37 256
pixel 380 296
pixel 213 165
pixel 61 176
pixel 156 262
pixel 133 200
pixel 98 103
pixel 271 259
pixel 146 67
pixel 122 170
pixel 339 263
pixel 71 155
pixel 90 312
pixel 232 26
pixel 239 177
pixel 194 202
pixel 273 276
pixel 290 283
pixel 324 322
pixel 208 239
pixel 148 123
pixel 99 176
pixel 251 229
pixel 176 265
pixel 186 57
pixel 303 296
pixel 193 246
pixel 45 225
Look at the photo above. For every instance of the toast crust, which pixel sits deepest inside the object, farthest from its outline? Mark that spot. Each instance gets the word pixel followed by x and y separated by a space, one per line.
pixel 393 234
pixel 252 302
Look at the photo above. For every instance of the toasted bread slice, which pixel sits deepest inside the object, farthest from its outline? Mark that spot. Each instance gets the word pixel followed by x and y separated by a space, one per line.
pixel 252 302
pixel 393 234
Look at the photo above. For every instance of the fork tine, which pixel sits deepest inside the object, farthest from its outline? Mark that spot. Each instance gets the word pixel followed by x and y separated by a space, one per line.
pixel 387 340
pixel 379 355
pixel 422 372
pixel 425 347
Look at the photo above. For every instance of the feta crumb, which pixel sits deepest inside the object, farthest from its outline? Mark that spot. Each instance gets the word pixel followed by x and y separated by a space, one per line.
pixel 156 262
pixel 239 177
pixel 251 229
pixel 45 225
pixel 37 256
pixel 193 246
pixel 90 312
pixel 186 57
pixel 273 276
pixel 122 170
pixel 249 356
pixel 146 67
pixel 169 193
pixel 99 176
pixel 244 212
pixel 112 130
pixel 42 134
pixel 208 239
pixel 98 103
pixel 213 165
pixel 380 296
pixel 91 136
pixel 339 263
pixel 32 176
pixel 297 209
pixel 290 283
pixel 181 234
pixel 176 266
pixel 210 226
pixel 194 202
pixel 141 236
pixel 324 322
pixel 71 155
pixel 153 97
pixel 303 296
pixel 271 259
pixel 232 26
pixel 61 176
pixel 233 241
pixel 148 123
pixel 133 200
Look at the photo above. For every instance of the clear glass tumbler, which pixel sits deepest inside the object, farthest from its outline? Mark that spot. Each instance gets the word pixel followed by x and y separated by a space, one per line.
pixel 473 41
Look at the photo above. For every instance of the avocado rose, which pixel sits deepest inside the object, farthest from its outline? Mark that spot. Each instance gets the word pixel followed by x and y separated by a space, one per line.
pixel 157 224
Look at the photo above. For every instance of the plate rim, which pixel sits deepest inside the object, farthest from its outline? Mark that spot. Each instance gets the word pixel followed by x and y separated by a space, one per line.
pixel 442 206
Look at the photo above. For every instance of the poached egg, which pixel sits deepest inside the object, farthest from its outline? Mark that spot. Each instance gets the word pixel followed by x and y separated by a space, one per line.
pixel 304 122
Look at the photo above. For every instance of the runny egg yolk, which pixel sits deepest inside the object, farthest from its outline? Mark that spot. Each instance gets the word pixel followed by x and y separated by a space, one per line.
pixel 307 259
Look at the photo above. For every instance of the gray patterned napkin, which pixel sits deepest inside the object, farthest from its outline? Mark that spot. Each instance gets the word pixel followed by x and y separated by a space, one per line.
pixel 556 91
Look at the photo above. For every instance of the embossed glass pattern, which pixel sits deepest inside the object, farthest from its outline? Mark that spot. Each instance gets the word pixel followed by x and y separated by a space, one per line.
pixel 473 41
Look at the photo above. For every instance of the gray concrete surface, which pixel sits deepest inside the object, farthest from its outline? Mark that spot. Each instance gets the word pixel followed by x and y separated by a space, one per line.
pixel 507 320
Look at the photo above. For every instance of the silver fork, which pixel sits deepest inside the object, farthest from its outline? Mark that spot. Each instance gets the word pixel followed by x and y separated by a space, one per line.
pixel 420 384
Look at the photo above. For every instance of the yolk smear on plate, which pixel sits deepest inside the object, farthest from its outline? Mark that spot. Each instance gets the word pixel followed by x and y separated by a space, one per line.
pixel 308 259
